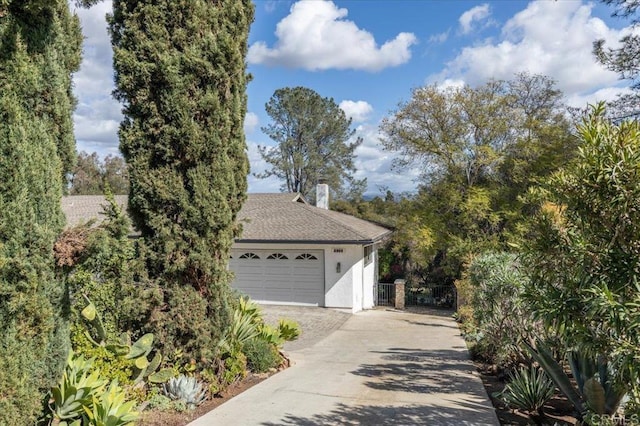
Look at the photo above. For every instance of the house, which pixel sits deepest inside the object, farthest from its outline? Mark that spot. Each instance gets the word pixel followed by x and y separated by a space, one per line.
pixel 290 252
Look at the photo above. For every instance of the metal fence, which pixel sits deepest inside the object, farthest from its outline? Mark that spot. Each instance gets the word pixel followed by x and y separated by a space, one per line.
pixel 385 294
pixel 439 296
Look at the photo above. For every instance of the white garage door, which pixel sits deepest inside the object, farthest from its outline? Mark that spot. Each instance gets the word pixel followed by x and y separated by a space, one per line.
pixel 280 276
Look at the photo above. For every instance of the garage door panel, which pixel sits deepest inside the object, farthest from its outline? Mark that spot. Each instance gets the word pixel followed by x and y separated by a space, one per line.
pixel 280 276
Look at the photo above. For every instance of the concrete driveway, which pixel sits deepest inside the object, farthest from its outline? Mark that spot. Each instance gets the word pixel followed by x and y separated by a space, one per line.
pixel 379 367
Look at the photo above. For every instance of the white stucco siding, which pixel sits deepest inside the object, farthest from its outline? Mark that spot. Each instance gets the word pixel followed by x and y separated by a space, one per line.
pixel 369 281
pixel 340 285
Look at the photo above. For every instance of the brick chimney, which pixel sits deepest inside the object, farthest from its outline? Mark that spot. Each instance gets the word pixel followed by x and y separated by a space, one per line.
pixel 322 196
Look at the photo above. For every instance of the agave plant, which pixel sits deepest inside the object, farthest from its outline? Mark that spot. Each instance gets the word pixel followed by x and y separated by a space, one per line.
pixel 528 389
pixel 245 325
pixel 111 408
pixel 187 389
pixel 289 329
pixel 595 391
pixel 76 389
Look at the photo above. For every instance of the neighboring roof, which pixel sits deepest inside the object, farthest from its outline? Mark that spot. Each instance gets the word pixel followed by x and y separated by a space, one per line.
pixel 83 208
pixel 285 218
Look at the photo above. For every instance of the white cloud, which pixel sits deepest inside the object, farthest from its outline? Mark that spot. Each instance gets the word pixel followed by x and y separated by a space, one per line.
pixel 475 14
pixel 258 165
pixel 358 111
pixel 451 83
pixel 606 94
pixel 439 38
pixel 98 115
pixel 376 164
pixel 550 38
pixel 315 36
pixel 251 122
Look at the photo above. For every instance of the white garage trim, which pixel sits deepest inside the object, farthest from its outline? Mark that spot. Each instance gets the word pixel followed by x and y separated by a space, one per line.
pixel 279 276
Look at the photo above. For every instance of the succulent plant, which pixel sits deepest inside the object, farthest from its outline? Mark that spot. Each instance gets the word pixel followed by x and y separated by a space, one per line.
pixel 76 389
pixel 528 389
pixel 593 375
pixel 138 351
pixel 186 389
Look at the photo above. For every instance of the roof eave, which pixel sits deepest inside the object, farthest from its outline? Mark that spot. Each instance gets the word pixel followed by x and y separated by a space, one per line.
pixel 363 242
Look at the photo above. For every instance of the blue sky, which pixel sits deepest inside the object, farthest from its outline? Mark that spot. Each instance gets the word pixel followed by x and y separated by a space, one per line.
pixel 368 55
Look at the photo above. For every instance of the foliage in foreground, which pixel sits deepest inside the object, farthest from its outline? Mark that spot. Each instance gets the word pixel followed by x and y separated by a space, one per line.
pixel 40 50
pixel 261 355
pixel 180 72
pixel 585 258
pixel 251 343
pixel 83 398
pixel 109 299
pixel 185 389
pixel 596 391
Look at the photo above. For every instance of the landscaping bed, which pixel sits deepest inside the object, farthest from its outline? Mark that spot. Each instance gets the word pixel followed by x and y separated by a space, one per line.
pixel 558 410
pixel 172 418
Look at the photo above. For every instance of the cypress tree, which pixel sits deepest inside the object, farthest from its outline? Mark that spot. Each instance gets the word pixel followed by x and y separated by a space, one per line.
pixel 181 74
pixel 39 48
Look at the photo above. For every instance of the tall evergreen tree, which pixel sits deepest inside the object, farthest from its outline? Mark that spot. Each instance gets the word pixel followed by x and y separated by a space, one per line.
pixel 181 74
pixel 39 48
pixel 312 136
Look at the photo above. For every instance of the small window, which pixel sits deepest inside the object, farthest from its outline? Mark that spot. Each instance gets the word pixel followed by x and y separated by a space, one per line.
pixel 306 256
pixel 277 256
pixel 249 256
pixel 368 255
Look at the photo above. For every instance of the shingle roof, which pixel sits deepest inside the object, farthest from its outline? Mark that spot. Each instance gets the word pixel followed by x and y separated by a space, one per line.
pixel 82 208
pixel 288 218
pixel 284 217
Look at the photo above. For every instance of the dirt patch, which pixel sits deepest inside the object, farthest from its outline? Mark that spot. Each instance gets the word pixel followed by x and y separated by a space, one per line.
pixel 557 411
pixel 172 418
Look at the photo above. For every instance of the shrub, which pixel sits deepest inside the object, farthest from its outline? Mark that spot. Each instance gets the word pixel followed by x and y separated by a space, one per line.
pixel 584 254
pixel 500 317
pixel 110 365
pixel 528 389
pixel 159 402
pixel 235 368
pixel 261 355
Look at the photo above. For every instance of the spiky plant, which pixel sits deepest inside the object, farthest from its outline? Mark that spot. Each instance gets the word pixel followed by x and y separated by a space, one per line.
pixel 186 389
pixel 528 390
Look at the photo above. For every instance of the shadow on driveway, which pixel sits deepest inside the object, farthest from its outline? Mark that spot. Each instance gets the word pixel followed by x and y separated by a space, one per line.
pixel 387 416
pixel 419 371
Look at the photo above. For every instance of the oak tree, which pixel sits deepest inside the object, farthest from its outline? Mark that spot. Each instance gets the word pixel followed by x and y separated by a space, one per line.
pixel 480 149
